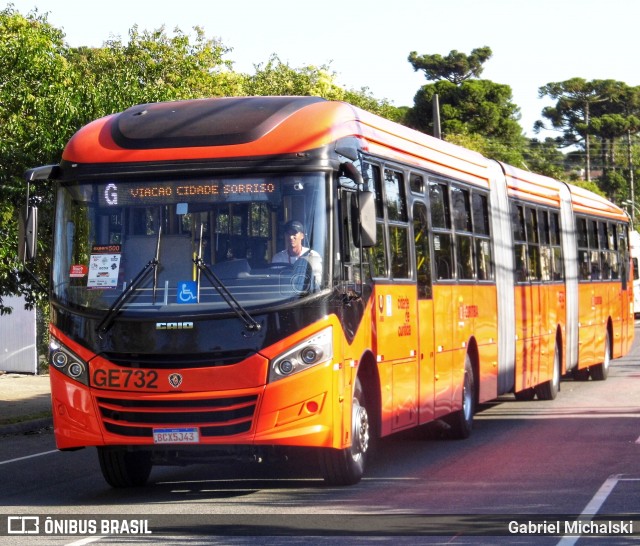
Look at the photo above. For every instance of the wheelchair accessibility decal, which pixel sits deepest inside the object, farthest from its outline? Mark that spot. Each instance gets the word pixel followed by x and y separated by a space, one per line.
pixel 187 292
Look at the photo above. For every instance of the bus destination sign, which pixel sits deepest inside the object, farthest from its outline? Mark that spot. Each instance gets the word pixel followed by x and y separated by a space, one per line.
pixel 143 193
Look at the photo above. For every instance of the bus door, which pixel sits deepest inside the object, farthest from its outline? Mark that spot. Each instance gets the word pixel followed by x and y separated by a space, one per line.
pixel 526 294
pixel 396 311
pixel 445 309
pixel 426 354
pixel 588 271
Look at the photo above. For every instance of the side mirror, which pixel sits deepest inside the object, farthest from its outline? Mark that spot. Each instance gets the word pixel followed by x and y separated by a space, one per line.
pixel 367 207
pixel 27 234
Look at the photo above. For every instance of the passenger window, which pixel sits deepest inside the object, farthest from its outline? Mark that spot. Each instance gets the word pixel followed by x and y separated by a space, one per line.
pixel 461 209
pixel 517 221
pixel 395 196
pixel 398 238
pixel 416 183
pixel 465 257
pixel 532 226
pixel 443 255
pixel 483 257
pixel 423 252
pixel 439 201
pixel 379 254
pixel 480 214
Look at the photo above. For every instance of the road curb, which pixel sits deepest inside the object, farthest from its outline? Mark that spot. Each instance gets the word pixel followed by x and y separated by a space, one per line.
pixel 26 427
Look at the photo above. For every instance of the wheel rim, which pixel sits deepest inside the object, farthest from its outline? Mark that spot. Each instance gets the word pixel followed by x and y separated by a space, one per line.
pixel 556 368
pixel 467 398
pixel 360 433
pixel 607 354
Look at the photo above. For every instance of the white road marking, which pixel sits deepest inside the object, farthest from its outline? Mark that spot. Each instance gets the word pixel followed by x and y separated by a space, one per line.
pixel 84 541
pixel 28 457
pixel 594 505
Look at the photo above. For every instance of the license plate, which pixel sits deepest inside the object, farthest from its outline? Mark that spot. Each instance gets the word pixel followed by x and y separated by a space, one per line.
pixel 176 435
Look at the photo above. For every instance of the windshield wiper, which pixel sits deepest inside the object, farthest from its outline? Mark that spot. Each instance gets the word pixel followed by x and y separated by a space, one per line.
pixel 152 265
pixel 249 322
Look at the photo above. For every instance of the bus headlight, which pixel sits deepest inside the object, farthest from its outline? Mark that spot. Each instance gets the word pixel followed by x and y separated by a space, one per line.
pixel 310 352
pixel 67 362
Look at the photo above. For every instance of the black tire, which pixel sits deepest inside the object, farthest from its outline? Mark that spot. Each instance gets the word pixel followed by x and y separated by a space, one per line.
pixel 122 468
pixel 549 389
pixel 461 421
pixel 525 395
pixel 601 371
pixel 347 466
pixel 580 374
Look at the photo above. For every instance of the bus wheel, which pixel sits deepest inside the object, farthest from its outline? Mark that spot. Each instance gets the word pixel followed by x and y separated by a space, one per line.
pixel 601 371
pixel 346 466
pixel 549 389
pixel 461 421
pixel 525 395
pixel 581 374
pixel 122 468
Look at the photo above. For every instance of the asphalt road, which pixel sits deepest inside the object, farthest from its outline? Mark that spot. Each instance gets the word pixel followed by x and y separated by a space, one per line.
pixel 543 460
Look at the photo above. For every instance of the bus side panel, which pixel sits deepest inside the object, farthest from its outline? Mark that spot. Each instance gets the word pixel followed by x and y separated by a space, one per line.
pixel 396 350
pixel 619 312
pixel 486 334
pixel 427 358
pixel 463 325
pixel 586 325
pixel 444 313
pixel 552 313
pixel 526 362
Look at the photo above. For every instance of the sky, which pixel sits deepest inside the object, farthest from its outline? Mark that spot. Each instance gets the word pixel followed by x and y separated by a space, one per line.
pixel 366 43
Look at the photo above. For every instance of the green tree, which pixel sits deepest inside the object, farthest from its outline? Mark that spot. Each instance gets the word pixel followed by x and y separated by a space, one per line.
pixel 36 117
pixel 469 107
pixel 278 78
pixel 595 117
pixel 456 67
pixel 575 99
pixel 543 157
pixel 152 66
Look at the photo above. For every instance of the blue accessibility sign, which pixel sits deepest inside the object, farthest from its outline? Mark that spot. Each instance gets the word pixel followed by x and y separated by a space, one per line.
pixel 187 292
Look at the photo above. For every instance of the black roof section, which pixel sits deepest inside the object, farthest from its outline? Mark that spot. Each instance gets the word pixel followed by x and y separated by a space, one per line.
pixel 204 122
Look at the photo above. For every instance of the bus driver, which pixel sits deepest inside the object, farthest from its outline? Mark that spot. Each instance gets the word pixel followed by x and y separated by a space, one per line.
pixel 294 249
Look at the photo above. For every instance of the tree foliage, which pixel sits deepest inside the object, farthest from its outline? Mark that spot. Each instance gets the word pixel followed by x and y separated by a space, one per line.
pixel 36 113
pixel 469 108
pixel 49 90
pixel 600 119
pixel 456 67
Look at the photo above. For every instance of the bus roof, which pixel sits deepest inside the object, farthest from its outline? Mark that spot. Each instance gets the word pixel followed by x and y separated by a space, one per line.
pixel 250 127
pixel 254 127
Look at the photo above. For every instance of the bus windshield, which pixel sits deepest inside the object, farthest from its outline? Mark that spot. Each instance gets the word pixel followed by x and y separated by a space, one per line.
pixel 263 238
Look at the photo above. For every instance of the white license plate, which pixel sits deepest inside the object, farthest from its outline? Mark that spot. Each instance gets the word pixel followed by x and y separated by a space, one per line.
pixel 176 435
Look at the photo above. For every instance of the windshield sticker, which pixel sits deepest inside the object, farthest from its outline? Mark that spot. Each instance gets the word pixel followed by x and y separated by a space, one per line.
pixel 104 266
pixel 78 271
pixel 187 292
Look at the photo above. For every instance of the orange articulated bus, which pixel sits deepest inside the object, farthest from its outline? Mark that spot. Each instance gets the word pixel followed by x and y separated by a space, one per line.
pixel 244 276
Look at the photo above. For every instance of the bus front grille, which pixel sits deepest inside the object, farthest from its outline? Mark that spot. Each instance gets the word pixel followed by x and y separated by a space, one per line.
pixel 217 417
pixel 164 361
